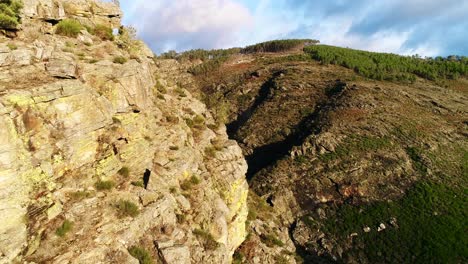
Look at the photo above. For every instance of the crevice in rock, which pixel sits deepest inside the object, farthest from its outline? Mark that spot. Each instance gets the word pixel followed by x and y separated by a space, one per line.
pixel 267 155
pixel 52 21
pixel 146 178
pixel 123 139
pixel 242 118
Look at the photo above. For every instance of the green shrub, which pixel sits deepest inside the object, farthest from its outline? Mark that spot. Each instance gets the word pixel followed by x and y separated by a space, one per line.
pixel 238 258
pixel 69 28
pixel 12 46
pixel 180 91
pixel 160 87
pixel 210 151
pixel 141 254
pixel 189 122
pixel 252 215
pixel 127 39
pixel 138 184
pixel 209 242
pixel 127 208
pixel 199 119
pixel 120 59
pixel 80 195
pixel 189 183
pixel 277 45
pixel 271 240
pixel 103 32
pixel 104 185
pixel 124 171
pixel 64 228
pixel 10 14
pixel 181 218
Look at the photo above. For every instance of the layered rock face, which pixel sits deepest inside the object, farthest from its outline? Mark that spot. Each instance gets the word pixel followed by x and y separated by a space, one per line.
pixel 80 135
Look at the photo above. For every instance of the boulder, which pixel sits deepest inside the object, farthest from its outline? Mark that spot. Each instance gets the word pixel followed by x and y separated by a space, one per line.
pixel 62 66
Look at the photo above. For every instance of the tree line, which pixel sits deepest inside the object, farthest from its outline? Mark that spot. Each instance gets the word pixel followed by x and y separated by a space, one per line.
pixel 391 67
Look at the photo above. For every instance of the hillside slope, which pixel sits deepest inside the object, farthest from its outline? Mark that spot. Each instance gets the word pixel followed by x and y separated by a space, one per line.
pixel 343 165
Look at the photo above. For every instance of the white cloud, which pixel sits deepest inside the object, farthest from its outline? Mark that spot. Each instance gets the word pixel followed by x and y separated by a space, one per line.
pixel 426 27
pixel 183 24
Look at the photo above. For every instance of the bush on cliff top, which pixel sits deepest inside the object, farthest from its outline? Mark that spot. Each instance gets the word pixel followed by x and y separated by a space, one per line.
pixel 9 14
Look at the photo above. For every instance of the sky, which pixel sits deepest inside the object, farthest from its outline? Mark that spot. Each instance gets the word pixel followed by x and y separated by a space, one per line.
pixel 408 27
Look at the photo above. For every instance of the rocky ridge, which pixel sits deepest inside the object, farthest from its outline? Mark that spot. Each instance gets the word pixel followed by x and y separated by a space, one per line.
pixel 80 134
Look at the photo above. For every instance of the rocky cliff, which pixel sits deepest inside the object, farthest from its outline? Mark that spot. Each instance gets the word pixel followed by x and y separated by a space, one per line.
pixel 101 152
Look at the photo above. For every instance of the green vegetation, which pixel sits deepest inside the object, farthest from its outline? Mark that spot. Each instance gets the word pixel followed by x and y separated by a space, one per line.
pixel 103 32
pixel 391 67
pixel 218 106
pixel 141 254
pixel 208 241
pixel 139 183
pixel 211 59
pixel 104 185
pixel 258 208
pixel 180 91
pixel 189 183
pixel 199 54
pixel 189 122
pixel 210 151
pixel 10 14
pixel 80 195
pixel 430 226
pixel 160 87
pixel 207 66
pixel 354 145
pixel 124 171
pixel 238 258
pixel 69 28
pixel 271 240
pixel 120 59
pixel 284 59
pixel 278 45
pixel 12 46
pixel 181 218
pixel 64 228
pixel 127 208
pixel 127 40
pixel 416 157
pixel 199 119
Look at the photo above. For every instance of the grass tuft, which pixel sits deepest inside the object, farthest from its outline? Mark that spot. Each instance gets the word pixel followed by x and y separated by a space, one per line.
pixel 209 242
pixel 127 208
pixel 189 183
pixel 68 28
pixel 120 60
pixel 64 228
pixel 141 254
pixel 104 185
pixel 124 171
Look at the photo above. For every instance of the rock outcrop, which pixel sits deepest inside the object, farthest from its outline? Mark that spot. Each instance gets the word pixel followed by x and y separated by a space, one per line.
pixel 81 134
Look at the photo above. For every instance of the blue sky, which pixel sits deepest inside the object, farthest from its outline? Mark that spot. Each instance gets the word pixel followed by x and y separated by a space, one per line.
pixel 424 27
